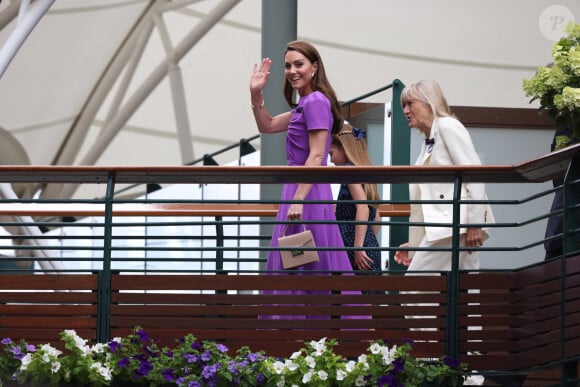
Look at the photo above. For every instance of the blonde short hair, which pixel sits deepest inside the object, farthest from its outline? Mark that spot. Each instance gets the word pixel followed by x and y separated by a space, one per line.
pixel 429 92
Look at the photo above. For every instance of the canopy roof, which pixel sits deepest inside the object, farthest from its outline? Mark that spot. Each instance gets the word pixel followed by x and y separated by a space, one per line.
pixel 144 82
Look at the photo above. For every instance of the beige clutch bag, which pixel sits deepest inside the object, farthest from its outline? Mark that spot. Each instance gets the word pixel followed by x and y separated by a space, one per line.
pixel 297 256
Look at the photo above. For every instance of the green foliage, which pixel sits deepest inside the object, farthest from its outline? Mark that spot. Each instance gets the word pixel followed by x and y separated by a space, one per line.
pixel 138 361
pixel 557 86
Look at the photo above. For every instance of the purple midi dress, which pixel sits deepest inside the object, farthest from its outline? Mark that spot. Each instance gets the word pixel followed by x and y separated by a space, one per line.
pixel 312 113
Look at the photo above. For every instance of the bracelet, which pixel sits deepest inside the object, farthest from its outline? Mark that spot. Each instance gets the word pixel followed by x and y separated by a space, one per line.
pixel 258 106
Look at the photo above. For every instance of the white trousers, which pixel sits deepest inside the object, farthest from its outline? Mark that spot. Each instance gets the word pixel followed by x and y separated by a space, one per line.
pixel 441 260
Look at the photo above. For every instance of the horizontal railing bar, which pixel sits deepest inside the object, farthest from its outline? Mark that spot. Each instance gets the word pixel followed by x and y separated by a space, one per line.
pixel 138 209
pixel 537 170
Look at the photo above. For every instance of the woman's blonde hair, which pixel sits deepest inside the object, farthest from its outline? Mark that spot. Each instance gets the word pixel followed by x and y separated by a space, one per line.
pixel 429 92
pixel 352 141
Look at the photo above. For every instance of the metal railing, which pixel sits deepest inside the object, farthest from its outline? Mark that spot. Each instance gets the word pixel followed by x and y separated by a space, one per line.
pixel 195 234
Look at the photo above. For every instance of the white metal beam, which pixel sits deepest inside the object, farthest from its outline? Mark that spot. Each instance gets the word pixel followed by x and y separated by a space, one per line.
pixel 116 121
pixel 27 20
pixel 156 76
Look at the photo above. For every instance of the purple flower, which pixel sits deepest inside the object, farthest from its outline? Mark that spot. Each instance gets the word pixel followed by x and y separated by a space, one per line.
pixel 30 347
pixel 206 356
pixel 168 374
pixel 143 336
pixel 114 345
pixel 6 341
pixel 169 353
pixel 253 357
pixel 194 383
pixel 144 368
pixel 232 368
pixel 389 380
pixel 196 346
pixel 222 348
pixel 124 362
pixel 399 366
pixel 140 357
pixel 209 372
pixel 451 362
pixel 190 357
pixel 408 341
pixel 383 380
pixel 17 353
pixel 260 379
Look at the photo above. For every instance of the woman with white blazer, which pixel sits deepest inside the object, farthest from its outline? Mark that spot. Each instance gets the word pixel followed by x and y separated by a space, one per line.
pixel 447 142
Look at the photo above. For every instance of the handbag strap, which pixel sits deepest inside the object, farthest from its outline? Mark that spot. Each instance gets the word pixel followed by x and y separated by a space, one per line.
pixel 286 228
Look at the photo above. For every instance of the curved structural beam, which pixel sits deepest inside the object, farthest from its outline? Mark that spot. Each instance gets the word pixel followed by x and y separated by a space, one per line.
pixel 128 57
pixel 32 231
pixel 26 23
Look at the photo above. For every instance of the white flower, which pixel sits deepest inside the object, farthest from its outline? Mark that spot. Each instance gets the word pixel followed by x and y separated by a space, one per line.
pixel 69 332
pixel 350 366
pixel 98 348
pixel 360 381
pixel 310 362
pixel 307 377
pixel 323 375
pixel 25 361
pixel 107 373
pixel 103 371
pixel 318 346
pixel 362 359
pixel 389 354
pixel 281 383
pixel 55 367
pixel 341 375
pixel 291 365
pixel 50 350
pixel 81 343
pixel 295 355
pixel 86 350
pixel 375 348
pixel 278 367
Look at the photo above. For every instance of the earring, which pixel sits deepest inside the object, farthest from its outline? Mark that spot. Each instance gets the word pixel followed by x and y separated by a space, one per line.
pixel 313 74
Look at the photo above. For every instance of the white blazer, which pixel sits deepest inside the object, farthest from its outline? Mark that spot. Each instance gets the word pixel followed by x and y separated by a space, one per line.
pixel 452 146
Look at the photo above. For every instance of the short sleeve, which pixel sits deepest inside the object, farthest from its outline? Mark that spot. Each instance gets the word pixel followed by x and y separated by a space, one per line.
pixel 317 112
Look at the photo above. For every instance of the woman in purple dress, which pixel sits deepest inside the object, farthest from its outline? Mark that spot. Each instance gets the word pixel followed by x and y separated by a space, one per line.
pixel 310 124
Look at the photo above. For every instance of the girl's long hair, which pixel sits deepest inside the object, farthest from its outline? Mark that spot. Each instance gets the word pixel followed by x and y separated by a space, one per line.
pixel 356 152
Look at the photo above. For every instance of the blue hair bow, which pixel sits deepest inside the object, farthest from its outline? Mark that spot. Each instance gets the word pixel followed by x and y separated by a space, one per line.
pixel 358 133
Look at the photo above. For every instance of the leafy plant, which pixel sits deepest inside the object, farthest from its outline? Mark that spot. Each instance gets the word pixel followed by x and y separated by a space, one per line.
pixel 137 360
pixel 557 86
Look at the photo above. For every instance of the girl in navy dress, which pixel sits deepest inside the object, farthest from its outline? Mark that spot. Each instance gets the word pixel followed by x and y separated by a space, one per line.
pixel 349 147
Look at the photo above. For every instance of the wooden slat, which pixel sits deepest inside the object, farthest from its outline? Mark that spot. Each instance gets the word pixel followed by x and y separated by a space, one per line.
pixel 47 310
pixel 48 281
pixel 311 282
pixel 518 311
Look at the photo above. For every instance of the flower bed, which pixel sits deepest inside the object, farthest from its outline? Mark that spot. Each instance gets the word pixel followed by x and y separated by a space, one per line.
pixel 136 360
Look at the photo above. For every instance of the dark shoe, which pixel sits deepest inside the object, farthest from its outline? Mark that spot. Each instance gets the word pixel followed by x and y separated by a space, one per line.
pixel 507 380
